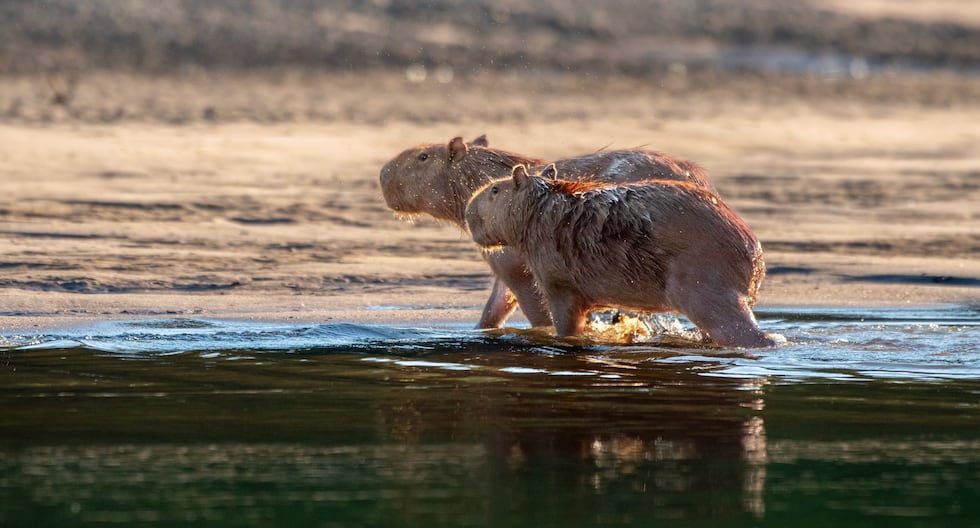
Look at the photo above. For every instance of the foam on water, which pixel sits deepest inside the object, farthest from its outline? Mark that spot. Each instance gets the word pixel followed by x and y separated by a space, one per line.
pixel 833 344
pixel 170 336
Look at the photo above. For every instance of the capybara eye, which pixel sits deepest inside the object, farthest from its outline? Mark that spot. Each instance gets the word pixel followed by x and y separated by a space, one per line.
pixel 423 156
pixel 494 190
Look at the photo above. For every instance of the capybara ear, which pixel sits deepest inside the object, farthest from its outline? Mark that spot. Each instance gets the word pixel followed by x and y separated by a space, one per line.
pixel 457 149
pixel 480 141
pixel 520 175
pixel 550 172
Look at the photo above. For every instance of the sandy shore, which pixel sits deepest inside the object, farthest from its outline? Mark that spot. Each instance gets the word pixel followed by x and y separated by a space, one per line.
pixel 858 200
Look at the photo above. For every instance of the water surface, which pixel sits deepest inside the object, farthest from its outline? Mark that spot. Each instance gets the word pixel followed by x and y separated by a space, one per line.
pixel 864 417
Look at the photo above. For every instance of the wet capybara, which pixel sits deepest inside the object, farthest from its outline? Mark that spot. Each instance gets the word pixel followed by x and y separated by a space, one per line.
pixel 651 246
pixel 439 179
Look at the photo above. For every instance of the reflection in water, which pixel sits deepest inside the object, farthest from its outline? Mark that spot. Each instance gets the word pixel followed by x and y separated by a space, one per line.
pixel 619 459
pixel 612 432
pixel 237 483
pixel 345 425
pixel 756 456
pixel 404 441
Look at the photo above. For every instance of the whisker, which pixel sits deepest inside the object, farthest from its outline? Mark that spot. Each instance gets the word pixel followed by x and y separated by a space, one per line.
pixel 408 217
pixel 492 249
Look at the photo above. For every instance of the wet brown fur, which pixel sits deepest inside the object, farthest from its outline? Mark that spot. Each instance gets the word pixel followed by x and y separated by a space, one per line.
pixel 619 166
pixel 441 185
pixel 645 246
pixel 572 187
pixel 442 182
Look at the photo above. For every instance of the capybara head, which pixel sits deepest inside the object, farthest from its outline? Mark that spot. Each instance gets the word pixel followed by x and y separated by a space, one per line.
pixel 498 212
pixel 440 179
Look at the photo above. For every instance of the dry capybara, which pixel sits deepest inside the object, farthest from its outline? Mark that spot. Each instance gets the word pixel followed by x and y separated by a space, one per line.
pixel 439 179
pixel 649 246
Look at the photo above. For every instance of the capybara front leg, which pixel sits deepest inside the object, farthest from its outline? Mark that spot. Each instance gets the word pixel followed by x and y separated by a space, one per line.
pixel 499 306
pixel 510 267
pixel 532 303
pixel 728 321
pixel 569 314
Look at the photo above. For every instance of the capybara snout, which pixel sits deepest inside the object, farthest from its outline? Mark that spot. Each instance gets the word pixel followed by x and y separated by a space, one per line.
pixel 438 179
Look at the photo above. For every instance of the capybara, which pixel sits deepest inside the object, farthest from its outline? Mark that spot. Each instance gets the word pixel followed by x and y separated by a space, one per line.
pixel 439 179
pixel 650 246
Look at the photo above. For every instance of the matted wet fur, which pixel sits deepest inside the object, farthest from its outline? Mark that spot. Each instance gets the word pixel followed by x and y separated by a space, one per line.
pixel 648 246
pixel 439 179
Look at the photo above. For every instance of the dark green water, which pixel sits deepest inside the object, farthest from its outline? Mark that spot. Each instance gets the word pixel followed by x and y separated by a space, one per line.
pixel 864 418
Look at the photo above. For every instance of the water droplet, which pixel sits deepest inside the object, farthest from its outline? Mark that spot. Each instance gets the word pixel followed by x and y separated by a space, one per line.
pixel 416 73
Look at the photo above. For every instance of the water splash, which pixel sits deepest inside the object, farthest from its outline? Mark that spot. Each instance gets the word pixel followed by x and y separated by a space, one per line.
pixel 830 344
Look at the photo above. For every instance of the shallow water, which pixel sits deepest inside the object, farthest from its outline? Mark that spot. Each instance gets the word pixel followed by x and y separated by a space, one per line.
pixel 864 417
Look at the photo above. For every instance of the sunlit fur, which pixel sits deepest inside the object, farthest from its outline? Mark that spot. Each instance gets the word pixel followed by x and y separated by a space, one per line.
pixel 442 183
pixel 440 186
pixel 645 246
pixel 620 166
pixel 570 187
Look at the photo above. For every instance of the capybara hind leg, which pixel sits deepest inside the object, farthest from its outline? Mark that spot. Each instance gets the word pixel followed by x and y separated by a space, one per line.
pixel 510 267
pixel 728 321
pixel 499 306
pixel 569 314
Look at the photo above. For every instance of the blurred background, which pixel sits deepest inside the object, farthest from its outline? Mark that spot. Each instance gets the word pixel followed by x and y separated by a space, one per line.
pixel 843 130
pixel 69 54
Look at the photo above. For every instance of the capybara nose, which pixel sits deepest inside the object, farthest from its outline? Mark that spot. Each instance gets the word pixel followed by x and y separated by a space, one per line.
pixel 385 174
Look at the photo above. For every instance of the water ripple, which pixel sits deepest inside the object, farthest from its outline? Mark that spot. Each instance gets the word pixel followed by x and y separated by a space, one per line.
pixel 842 344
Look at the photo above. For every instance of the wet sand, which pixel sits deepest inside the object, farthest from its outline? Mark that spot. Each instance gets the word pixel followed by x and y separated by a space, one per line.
pixel 252 193
pixel 857 202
